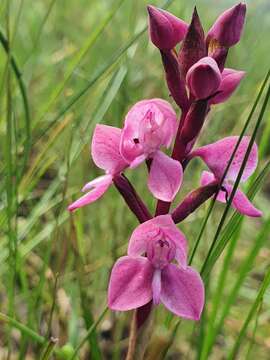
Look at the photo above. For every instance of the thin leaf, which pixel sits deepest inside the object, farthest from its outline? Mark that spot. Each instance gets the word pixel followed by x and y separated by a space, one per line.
pixel 266 282
pixel 22 88
pixel 73 65
pixel 103 69
pixel 89 332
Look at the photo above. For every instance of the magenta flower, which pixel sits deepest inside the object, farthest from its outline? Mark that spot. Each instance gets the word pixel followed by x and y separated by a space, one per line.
pixel 165 29
pixel 230 79
pixel 203 78
pixel 227 29
pixel 216 156
pixel 136 280
pixel 106 155
pixel 149 125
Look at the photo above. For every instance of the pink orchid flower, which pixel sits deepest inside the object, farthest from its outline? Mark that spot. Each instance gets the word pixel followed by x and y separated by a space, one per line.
pixel 216 156
pixel 106 155
pixel 136 280
pixel 227 29
pixel 165 29
pixel 149 125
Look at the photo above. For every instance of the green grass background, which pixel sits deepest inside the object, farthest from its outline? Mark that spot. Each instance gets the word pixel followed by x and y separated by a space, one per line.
pixel 85 62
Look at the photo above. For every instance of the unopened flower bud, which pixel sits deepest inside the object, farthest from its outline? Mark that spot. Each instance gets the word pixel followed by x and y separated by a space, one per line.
pixel 193 47
pixel 165 29
pixel 228 27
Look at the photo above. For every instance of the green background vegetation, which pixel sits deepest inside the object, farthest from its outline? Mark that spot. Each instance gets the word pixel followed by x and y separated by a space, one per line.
pixel 85 62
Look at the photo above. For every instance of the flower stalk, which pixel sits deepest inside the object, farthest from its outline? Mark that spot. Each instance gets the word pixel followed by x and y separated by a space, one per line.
pixel 132 199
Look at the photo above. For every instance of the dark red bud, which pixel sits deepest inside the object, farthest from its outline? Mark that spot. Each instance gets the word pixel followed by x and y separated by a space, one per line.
pixel 165 29
pixel 193 47
pixel 193 200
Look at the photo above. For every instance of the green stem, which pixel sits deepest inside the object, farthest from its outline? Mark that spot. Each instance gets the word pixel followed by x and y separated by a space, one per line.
pixel 22 328
pixel 18 74
pixel 89 332
pixel 49 349
pixel 253 309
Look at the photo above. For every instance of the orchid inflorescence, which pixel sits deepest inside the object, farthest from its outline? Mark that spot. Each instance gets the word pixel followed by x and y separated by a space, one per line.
pixel 156 267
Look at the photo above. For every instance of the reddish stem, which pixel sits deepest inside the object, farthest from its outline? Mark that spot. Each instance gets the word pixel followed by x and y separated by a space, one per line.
pixel 193 200
pixel 131 198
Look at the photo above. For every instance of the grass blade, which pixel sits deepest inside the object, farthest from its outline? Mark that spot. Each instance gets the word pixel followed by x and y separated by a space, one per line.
pixel 252 312
pixel 22 328
pixel 79 56
pixel 18 74
pixel 89 332
pixel 243 271
pixel 103 69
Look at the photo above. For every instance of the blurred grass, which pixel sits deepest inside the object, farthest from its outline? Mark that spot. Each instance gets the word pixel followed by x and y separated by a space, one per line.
pixel 84 62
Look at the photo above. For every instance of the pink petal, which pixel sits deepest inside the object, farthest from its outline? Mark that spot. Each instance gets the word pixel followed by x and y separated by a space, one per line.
pixel 180 241
pixel 105 149
pixel 99 181
pixel 182 291
pixel 208 178
pixel 165 177
pixel 217 155
pixel 130 284
pixel 154 229
pixel 141 236
pixel 156 286
pixel 165 29
pixel 230 79
pixel 227 29
pixel 99 185
pixel 137 161
pixel 164 221
pixel 203 78
pixel 242 204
